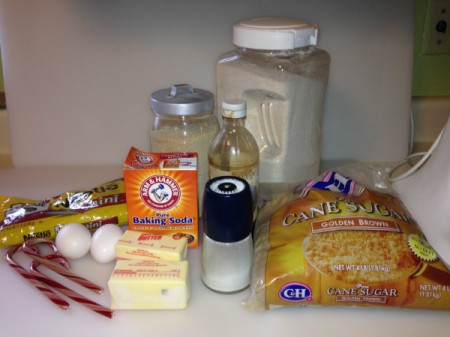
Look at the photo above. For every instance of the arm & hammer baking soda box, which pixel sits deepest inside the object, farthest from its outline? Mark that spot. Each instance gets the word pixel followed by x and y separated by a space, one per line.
pixel 162 196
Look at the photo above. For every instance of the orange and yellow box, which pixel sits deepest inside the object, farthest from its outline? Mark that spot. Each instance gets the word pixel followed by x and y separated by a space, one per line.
pixel 162 196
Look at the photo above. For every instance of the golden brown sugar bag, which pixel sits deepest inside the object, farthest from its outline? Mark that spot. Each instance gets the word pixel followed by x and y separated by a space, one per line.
pixel 319 247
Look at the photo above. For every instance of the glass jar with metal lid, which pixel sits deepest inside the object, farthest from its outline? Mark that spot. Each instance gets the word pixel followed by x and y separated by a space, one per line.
pixel 184 121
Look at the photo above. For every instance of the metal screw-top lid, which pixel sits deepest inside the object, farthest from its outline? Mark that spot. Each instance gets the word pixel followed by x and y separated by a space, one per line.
pixel 227 209
pixel 182 100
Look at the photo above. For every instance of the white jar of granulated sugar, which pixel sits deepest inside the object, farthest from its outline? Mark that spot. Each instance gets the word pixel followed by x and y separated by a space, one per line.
pixel 283 77
pixel 184 121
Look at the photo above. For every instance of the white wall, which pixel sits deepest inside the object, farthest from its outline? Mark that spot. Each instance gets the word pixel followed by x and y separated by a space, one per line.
pixel 78 73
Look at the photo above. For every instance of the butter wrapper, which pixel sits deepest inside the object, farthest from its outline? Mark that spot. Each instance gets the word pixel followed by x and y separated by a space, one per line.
pixel 135 245
pixel 149 284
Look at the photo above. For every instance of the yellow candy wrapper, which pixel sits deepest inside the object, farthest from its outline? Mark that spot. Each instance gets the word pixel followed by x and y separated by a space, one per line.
pixel 23 219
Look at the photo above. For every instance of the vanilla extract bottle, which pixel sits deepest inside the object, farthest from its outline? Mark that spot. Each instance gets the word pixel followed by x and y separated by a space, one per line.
pixel 234 151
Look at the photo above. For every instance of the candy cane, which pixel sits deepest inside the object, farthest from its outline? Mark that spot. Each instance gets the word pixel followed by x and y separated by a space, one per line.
pixel 60 302
pixel 69 292
pixel 32 253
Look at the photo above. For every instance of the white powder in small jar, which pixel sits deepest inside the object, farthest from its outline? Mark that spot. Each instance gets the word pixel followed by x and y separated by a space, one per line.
pixel 184 121
pixel 195 137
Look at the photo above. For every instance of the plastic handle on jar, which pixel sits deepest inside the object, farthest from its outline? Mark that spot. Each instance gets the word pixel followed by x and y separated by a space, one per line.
pixel 268 127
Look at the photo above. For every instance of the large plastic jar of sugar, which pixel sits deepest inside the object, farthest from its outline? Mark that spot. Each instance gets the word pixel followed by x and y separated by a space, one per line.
pixel 281 74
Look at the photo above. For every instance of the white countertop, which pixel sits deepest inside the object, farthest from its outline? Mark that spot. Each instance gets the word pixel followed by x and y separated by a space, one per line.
pixel 25 312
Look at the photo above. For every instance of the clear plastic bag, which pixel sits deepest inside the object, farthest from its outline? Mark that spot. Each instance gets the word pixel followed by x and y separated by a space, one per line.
pixel 344 239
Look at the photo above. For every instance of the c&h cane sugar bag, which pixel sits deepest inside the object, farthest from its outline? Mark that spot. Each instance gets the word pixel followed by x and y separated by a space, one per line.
pixel 343 246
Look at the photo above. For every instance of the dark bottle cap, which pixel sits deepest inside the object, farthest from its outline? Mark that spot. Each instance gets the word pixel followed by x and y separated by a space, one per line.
pixel 227 209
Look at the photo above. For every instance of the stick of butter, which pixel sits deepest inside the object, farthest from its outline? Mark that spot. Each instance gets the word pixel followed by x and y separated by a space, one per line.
pixel 149 284
pixel 134 245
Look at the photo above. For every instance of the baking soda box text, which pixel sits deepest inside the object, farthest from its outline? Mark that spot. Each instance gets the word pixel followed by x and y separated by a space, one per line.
pixel 161 190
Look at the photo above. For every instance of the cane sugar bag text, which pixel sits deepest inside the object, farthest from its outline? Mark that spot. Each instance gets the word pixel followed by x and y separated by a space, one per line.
pixel 319 247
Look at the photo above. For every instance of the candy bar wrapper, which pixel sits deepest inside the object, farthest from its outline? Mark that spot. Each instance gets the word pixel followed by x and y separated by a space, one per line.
pixel 22 219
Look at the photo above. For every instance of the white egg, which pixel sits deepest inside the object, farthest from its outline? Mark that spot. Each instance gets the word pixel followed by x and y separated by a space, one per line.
pixel 73 240
pixel 103 243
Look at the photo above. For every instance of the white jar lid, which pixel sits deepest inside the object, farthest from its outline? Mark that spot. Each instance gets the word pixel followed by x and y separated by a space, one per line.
pixel 234 108
pixel 274 33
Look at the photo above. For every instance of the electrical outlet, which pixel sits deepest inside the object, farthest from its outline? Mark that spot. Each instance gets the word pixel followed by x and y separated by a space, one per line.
pixel 431 74
pixel 437 28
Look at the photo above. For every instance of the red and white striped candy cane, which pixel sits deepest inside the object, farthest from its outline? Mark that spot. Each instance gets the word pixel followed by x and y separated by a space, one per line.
pixel 60 302
pixel 34 254
pixel 100 309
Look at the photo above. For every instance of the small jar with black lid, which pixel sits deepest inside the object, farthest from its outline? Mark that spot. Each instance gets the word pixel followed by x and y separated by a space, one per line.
pixel 227 247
